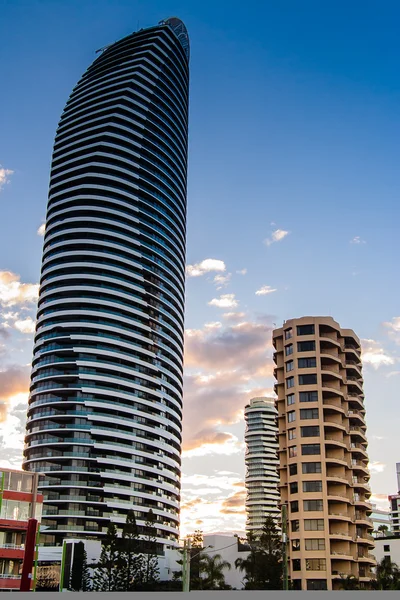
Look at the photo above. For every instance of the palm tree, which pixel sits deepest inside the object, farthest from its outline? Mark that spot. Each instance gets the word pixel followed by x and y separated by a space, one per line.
pixel 349 583
pixel 387 575
pixel 213 567
pixel 383 529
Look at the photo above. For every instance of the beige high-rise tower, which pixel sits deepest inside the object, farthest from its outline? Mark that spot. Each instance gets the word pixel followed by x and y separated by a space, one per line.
pixel 323 453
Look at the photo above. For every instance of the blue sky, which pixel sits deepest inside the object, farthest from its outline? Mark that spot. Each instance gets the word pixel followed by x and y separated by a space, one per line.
pixel 294 127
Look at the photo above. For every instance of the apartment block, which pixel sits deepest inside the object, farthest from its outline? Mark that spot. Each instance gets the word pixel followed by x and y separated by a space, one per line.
pixel 323 453
pixel 19 501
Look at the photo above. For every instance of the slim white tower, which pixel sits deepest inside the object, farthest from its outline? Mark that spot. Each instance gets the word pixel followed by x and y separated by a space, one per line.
pixel 261 462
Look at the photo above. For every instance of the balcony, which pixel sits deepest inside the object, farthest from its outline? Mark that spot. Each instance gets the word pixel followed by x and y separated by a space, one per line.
pixel 329 337
pixel 341 535
pixel 335 496
pixel 357 447
pixel 334 405
pixel 353 348
pixel 355 414
pixel 338 516
pixel 335 478
pixel 334 423
pixel 10 582
pixel 356 430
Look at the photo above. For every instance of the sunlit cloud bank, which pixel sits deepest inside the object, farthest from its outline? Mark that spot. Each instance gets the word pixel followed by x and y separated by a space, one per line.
pixel 213 503
pixel 13 292
pixel 373 354
pixel 12 430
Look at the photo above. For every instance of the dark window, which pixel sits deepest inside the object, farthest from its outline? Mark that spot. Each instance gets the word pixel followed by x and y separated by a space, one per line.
pixel 290 399
pixel 309 413
pixel 310 431
pixel 295 545
pixel 305 329
pixel 386 548
pixel 292 469
pixel 292 434
pixel 294 488
pixel 292 451
pixel 306 363
pixel 311 467
pixel 315 564
pixel 289 365
pixel 291 416
pixel 312 486
pixel 296 584
pixel 294 506
pixel 313 505
pixel 290 382
pixel 315 544
pixel 317 584
pixel 308 379
pixel 313 524
pixel 306 346
pixel 309 396
pixel 310 449
pixel 295 525
pixel 289 349
pixel 296 564
pixel 288 334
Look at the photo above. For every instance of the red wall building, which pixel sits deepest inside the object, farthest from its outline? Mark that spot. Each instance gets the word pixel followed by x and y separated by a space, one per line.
pixel 19 501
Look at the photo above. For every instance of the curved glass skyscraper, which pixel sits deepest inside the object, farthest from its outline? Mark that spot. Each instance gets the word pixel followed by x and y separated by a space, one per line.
pixel 261 463
pixel 105 408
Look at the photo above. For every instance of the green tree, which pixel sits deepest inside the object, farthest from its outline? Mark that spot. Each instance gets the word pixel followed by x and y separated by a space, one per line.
pixel 131 561
pixel 106 573
pixel 77 567
pixel 151 573
pixel 213 567
pixel 86 577
pixel 349 582
pixel 196 554
pixel 387 575
pixel 383 529
pixel 263 565
pixel 80 576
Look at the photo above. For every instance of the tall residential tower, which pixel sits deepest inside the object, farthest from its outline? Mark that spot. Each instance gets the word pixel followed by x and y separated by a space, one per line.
pixel 105 407
pixel 323 453
pixel 261 463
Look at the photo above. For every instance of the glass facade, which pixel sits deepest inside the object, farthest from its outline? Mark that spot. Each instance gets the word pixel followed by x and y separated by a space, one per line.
pixel 105 407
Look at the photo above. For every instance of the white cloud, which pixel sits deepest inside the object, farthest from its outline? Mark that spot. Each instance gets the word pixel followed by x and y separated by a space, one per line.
pixel 393 328
pixel 377 467
pixel 357 240
pixel 242 272
pixel 12 291
pixel 222 280
pixel 4 176
pixel 224 301
pixel 374 355
pixel 42 229
pixel 26 325
pixel 264 290
pixel 276 236
pixel 234 316
pixel 205 266
pixel 213 325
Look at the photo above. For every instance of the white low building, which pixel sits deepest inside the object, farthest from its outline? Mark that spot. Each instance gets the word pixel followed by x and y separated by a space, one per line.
pixel 388 547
